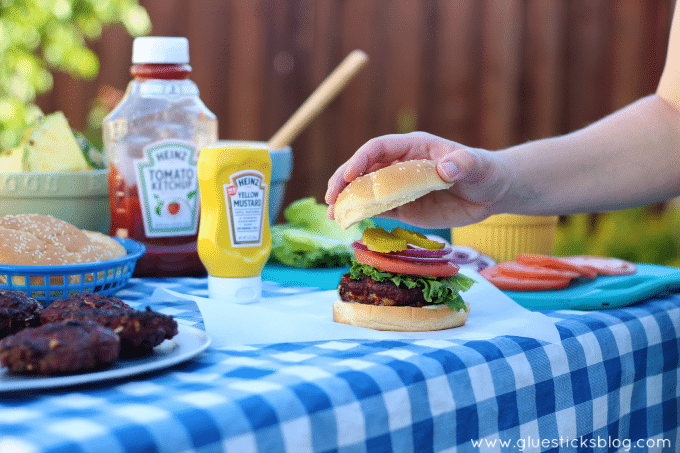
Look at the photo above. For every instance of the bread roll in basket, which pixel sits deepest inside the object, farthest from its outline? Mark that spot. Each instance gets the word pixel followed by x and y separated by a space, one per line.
pixel 43 241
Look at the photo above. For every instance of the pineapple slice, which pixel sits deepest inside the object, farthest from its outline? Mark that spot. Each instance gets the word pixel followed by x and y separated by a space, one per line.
pixel 12 160
pixel 51 146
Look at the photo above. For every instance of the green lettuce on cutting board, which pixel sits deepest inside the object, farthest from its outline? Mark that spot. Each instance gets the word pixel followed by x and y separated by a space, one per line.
pixel 309 239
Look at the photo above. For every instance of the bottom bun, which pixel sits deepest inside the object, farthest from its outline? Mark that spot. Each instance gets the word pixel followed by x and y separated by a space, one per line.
pixel 402 319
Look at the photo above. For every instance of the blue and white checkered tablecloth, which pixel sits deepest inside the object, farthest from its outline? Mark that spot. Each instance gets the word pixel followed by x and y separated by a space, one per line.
pixel 610 386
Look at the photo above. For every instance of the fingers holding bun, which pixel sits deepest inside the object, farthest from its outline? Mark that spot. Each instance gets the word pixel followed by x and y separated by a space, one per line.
pixel 386 189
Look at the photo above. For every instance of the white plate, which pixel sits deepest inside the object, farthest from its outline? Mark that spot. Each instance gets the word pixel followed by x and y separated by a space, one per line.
pixel 187 344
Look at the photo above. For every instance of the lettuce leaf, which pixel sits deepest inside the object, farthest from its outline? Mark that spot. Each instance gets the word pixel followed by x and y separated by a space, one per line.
pixel 299 248
pixel 435 290
pixel 309 239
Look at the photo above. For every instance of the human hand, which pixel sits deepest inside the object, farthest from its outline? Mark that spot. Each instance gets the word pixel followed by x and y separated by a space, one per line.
pixel 480 179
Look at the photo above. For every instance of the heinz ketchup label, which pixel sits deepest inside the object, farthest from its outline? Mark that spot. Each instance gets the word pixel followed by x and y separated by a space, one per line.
pixel 168 188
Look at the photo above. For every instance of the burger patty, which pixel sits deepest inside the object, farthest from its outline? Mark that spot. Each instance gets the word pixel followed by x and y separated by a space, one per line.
pixel 368 291
pixel 60 348
pixel 17 311
pixel 139 331
pixel 78 302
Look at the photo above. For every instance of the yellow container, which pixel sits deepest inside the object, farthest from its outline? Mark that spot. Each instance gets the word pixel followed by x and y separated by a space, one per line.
pixel 234 240
pixel 503 236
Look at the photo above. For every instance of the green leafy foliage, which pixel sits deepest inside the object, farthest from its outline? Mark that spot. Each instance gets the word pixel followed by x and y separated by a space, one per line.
pixel 38 37
pixel 641 235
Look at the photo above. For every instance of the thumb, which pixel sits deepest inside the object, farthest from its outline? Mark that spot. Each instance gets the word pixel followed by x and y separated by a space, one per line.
pixel 448 170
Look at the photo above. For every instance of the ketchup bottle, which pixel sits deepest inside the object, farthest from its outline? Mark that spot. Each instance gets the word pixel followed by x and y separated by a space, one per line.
pixel 151 141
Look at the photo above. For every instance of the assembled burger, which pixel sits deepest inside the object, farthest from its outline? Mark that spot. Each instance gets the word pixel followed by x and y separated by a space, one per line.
pixel 399 280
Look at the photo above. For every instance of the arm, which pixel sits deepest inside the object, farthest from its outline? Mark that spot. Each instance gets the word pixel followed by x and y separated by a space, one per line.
pixel 629 158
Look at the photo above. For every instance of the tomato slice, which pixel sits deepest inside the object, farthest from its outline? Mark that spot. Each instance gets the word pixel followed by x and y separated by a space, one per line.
pixel 508 283
pixel 552 262
pixel 397 266
pixel 517 270
pixel 602 265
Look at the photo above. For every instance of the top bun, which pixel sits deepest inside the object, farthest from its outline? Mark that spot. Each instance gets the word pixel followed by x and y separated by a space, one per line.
pixel 385 189
pixel 32 239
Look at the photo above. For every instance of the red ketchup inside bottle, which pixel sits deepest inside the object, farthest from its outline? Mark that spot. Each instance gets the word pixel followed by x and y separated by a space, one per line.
pixel 165 256
pixel 168 256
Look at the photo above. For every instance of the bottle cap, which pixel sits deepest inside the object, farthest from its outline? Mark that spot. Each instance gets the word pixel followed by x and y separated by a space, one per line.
pixel 236 290
pixel 160 50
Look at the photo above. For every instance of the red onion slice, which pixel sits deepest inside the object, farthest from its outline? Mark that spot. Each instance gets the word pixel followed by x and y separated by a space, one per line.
pixel 423 253
pixel 359 245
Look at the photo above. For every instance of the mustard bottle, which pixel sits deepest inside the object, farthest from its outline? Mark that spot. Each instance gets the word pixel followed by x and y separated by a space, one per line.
pixel 234 241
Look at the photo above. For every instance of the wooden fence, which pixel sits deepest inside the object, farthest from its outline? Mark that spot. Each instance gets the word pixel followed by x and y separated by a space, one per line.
pixel 487 73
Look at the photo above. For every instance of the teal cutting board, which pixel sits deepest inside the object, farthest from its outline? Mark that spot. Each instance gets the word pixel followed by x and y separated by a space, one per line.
pixel 604 292
pixel 323 277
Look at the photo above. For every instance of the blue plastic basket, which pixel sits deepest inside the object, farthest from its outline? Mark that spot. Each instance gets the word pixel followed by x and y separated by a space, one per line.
pixel 48 283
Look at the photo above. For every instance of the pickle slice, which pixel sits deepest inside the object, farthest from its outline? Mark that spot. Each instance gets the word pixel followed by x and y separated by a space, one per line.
pixel 379 240
pixel 417 239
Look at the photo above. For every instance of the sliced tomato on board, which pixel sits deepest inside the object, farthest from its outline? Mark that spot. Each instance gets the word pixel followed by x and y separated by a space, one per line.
pixel 602 265
pixel 509 283
pixel 398 266
pixel 552 262
pixel 517 270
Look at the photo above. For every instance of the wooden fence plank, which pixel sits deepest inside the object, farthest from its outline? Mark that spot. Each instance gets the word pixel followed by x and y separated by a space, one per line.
pixel 404 52
pixel 115 56
pixel 658 17
pixel 283 67
pixel 209 50
pixel 359 111
pixel 455 88
pixel 168 16
pixel 428 100
pixel 322 133
pixel 246 63
pixel 304 17
pixel 69 96
pixel 543 80
pixel 500 73
pixel 586 64
pixel 626 47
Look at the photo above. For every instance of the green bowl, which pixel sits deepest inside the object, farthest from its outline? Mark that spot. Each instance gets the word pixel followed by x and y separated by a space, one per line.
pixel 80 198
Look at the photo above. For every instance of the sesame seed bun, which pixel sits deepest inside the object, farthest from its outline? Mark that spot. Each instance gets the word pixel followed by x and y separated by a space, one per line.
pixel 385 189
pixel 41 240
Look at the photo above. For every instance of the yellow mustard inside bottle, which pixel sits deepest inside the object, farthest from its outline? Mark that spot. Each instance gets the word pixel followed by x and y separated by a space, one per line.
pixel 234 241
